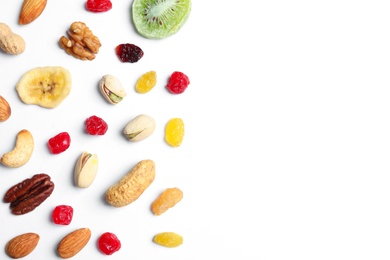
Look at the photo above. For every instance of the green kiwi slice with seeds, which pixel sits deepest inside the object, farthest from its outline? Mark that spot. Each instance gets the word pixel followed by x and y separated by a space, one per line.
pixel 159 19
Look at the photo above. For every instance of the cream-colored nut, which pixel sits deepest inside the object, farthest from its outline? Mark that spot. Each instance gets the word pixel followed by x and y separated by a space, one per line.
pixel 86 169
pixel 22 152
pixel 139 128
pixel 112 89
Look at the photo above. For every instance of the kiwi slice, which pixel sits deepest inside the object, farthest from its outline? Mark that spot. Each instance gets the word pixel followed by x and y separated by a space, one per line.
pixel 160 18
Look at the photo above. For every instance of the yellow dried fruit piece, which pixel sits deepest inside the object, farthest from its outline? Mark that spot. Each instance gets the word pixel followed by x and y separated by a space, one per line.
pixel 174 132
pixel 168 239
pixel 167 199
pixel 146 82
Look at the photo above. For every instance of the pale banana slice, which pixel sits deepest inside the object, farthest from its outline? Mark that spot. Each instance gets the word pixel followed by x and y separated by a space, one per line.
pixel 45 86
pixel 22 152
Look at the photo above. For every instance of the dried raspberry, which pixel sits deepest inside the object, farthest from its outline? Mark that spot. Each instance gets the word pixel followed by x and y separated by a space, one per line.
pixel 95 126
pixel 62 214
pixel 109 243
pixel 98 6
pixel 178 82
pixel 59 143
pixel 128 52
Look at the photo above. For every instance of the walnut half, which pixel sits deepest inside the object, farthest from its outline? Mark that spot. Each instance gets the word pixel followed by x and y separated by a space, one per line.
pixel 82 43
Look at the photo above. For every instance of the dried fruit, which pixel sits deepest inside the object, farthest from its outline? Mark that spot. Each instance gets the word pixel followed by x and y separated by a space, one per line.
pixel 178 82
pixel 5 109
pixel 45 86
pixel 168 239
pixel 98 6
pixel 146 82
pixel 95 125
pixel 22 245
pixel 112 89
pixel 27 195
pixel 166 200
pixel 31 10
pixel 174 132
pixel 128 52
pixel 139 128
pixel 132 185
pixel 62 215
pixel 86 169
pixel 160 19
pixel 74 242
pixel 11 42
pixel 109 243
pixel 59 143
pixel 22 151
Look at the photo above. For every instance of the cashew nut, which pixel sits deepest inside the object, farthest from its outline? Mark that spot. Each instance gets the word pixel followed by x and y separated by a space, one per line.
pixel 22 152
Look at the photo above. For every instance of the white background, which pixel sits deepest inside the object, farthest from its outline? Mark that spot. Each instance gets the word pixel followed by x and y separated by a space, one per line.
pixel 286 150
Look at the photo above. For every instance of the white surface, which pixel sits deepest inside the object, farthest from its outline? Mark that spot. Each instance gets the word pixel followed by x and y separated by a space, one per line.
pixel 286 152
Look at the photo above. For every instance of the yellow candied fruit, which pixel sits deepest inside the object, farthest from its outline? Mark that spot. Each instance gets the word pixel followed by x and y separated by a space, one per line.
pixel 174 132
pixel 168 239
pixel 146 82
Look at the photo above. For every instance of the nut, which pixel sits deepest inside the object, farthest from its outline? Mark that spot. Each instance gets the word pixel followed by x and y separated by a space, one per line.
pixel 31 10
pixel 10 42
pixel 22 151
pixel 139 128
pixel 29 194
pixel 22 245
pixel 112 89
pixel 132 185
pixel 5 109
pixel 82 44
pixel 166 200
pixel 86 169
pixel 74 242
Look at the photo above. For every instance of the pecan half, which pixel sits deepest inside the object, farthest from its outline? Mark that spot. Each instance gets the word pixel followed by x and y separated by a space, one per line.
pixel 29 194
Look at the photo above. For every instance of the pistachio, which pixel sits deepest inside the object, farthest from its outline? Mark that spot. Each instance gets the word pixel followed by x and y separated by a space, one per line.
pixel 86 169
pixel 112 89
pixel 139 128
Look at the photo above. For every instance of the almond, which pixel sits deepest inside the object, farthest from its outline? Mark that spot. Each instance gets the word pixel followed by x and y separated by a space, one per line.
pixel 5 109
pixel 72 243
pixel 31 10
pixel 22 245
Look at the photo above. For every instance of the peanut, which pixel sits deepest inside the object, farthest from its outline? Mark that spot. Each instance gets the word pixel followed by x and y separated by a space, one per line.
pixel 10 42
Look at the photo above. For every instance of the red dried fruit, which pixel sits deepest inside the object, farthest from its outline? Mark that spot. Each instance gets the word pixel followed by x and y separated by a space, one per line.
pixel 62 215
pixel 128 52
pixel 98 6
pixel 178 82
pixel 109 243
pixel 95 126
pixel 59 143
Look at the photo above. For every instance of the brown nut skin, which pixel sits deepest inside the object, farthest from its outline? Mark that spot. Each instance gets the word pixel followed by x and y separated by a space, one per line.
pixel 132 185
pixel 22 245
pixel 166 200
pixel 73 243
pixel 5 109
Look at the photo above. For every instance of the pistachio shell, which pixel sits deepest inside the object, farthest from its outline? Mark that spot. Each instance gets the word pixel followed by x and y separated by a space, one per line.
pixel 86 169
pixel 139 128
pixel 112 89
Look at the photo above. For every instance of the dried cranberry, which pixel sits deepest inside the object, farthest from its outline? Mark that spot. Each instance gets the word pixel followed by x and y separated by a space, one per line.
pixel 98 6
pixel 128 52
pixel 62 214
pixel 109 243
pixel 95 126
pixel 59 143
pixel 178 82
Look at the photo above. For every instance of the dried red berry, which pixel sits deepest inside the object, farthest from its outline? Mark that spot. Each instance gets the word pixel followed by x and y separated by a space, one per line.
pixel 98 6
pixel 62 215
pixel 95 126
pixel 59 143
pixel 178 82
pixel 128 52
pixel 109 243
